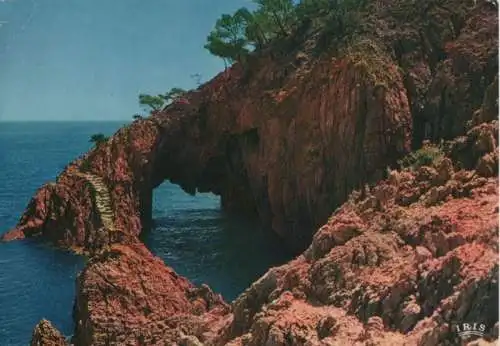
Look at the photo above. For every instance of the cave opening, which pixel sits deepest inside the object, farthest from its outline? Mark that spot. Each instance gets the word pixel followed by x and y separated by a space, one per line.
pixel 195 236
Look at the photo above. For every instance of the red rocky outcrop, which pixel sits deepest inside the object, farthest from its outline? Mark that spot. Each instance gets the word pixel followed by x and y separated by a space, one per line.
pixel 384 270
pixel 388 271
pixel 382 273
pixel 45 334
pixel 129 297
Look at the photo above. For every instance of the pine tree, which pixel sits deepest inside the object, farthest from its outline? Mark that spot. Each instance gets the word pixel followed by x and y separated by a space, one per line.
pixel 279 15
pixel 228 39
pixel 173 94
pixel 153 102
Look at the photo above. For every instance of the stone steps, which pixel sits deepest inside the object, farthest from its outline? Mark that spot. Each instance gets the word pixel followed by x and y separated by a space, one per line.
pixel 102 199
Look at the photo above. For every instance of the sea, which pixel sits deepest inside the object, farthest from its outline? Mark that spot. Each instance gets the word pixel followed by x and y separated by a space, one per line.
pixel 191 233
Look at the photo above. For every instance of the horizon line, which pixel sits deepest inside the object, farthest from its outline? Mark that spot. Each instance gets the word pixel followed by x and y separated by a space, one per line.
pixel 63 121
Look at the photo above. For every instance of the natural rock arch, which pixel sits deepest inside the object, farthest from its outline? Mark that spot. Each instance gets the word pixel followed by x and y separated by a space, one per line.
pixel 288 162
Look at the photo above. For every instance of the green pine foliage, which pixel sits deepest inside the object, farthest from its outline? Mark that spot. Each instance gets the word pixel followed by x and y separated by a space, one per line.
pixel 173 94
pixel 153 102
pixel 228 40
pixel 278 15
pixel 98 139
pixel 158 102
pixel 235 36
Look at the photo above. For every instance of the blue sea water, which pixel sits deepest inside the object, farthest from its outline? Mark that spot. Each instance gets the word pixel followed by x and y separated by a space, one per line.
pixel 191 234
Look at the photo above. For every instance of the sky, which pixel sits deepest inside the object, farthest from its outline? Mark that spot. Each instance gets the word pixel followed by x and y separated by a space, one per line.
pixel 80 60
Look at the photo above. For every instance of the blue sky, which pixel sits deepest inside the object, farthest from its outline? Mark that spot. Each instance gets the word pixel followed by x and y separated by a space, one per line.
pixel 89 59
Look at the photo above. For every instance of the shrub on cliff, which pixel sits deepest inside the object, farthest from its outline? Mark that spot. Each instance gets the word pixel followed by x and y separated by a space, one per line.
pixel 428 155
pixel 98 139
pixel 337 20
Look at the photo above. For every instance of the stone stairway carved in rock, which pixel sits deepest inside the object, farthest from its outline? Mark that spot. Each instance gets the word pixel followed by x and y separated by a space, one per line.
pixel 102 199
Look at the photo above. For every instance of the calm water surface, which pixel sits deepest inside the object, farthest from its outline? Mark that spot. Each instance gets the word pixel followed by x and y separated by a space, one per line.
pixel 191 234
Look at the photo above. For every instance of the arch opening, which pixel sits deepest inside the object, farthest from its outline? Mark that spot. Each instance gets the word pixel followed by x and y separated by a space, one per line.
pixel 195 236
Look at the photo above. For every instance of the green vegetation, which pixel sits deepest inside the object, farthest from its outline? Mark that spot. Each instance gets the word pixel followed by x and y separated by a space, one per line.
pixel 428 155
pixel 158 102
pixel 173 94
pixel 235 36
pixel 340 19
pixel 276 17
pixel 153 102
pixel 370 56
pixel 228 39
pixel 98 139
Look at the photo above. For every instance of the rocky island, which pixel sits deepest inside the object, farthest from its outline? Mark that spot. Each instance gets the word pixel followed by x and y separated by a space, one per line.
pixel 376 162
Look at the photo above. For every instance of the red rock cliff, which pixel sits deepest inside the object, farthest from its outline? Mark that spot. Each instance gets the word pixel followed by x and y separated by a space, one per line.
pixel 402 263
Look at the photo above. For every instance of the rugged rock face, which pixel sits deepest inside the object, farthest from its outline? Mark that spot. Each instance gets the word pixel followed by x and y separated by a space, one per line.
pixel 403 262
pixel 448 53
pixel 129 297
pixel 385 270
pixel 289 136
pixel 45 334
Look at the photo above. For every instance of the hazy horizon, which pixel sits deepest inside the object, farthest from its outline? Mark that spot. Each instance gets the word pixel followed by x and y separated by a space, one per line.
pixel 87 60
pixel 65 121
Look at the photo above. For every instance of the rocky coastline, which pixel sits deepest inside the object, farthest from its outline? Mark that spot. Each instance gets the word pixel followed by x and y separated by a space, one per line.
pixel 309 144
